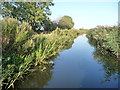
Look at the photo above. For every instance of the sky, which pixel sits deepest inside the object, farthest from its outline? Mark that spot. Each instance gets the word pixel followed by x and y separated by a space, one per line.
pixel 86 14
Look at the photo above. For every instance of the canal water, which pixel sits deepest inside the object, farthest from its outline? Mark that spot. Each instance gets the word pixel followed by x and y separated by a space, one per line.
pixel 76 67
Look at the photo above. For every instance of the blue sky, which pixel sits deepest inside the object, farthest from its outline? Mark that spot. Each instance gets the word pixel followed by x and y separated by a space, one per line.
pixel 87 14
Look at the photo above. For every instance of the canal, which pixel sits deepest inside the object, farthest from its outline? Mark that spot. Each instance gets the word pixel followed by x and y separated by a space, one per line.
pixel 81 66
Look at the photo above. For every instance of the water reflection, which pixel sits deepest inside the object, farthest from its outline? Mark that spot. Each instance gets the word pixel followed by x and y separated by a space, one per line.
pixel 36 79
pixel 42 74
pixel 110 62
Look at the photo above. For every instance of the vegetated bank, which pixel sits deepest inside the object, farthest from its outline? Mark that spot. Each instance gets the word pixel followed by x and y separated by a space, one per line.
pixel 23 49
pixel 109 61
pixel 107 38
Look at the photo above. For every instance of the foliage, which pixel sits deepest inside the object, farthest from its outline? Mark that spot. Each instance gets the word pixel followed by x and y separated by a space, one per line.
pixel 23 49
pixel 50 26
pixel 107 38
pixel 35 13
pixel 65 22
pixel 13 39
pixel 14 35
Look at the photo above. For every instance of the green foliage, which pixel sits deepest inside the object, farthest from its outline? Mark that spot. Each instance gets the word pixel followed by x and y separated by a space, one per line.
pixel 50 26
pixel 9 27
pixel 13 39
pixel 35 13
pixel 23 49
pixel 107 38
pixel 65 22
pixel 14 34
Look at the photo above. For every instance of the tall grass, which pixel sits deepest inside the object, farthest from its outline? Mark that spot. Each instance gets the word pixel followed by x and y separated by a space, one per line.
pixel 23 49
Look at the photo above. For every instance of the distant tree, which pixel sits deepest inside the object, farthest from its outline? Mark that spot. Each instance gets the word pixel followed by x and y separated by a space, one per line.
pixel 66 22
pixel 35 13
pixel 50 26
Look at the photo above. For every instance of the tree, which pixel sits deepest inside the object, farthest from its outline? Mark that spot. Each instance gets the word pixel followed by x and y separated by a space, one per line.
pixel 35 13
pixel 51 25
pixel 65 22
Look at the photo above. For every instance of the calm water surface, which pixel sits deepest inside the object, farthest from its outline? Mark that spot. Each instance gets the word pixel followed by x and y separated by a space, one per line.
pixel 74 68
